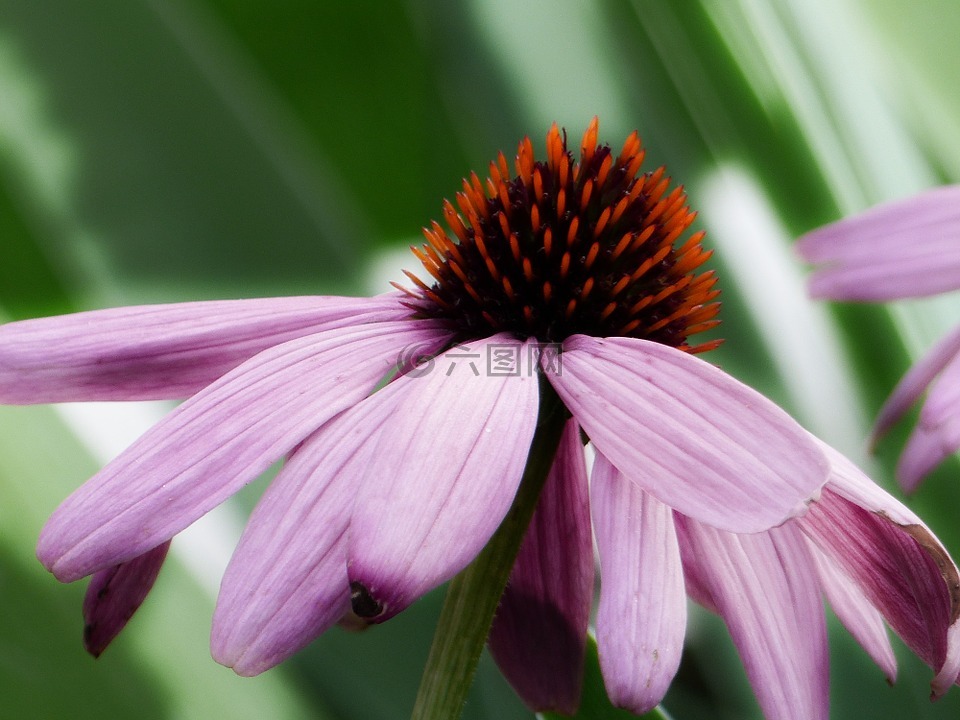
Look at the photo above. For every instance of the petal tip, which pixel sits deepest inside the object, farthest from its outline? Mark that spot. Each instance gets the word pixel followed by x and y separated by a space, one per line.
pixel 53 558
pixel 93 642
pixel 246 659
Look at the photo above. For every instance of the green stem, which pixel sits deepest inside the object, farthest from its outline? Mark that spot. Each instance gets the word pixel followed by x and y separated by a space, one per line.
pixel 473 595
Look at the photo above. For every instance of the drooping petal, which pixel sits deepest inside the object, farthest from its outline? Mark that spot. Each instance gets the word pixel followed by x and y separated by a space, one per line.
pixel 940 409
pixel 858 615
pixel 688 433
pixel 766 591
pixel 539 632
pixel 937 433
pixel 287 581
pixel 917 379
pixel 155 352
pixel 642 616
pixel 905 248
pixel 445 472
pixel 217 441
pixel 115 594
pixel 899 565
pixel 925 449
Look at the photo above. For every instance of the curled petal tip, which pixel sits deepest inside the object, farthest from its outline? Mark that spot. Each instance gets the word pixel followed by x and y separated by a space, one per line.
pixel 949 673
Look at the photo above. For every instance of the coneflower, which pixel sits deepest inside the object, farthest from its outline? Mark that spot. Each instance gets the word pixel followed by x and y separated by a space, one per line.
pixel 558 306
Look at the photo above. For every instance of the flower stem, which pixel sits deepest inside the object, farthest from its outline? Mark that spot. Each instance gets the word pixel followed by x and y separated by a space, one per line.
pixel 473 595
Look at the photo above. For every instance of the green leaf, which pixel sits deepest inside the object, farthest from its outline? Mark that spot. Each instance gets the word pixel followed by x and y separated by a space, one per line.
pixel 29 285
pixel 153 156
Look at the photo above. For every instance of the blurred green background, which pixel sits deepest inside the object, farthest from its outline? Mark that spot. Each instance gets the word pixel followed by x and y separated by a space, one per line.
pixel 167 150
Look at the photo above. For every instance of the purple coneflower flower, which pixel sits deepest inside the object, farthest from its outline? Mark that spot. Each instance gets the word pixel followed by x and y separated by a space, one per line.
pixel 569 282
pixel 902 249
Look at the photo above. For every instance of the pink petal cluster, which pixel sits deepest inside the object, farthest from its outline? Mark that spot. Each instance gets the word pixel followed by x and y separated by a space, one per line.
pixel 902 249
pixel 701 487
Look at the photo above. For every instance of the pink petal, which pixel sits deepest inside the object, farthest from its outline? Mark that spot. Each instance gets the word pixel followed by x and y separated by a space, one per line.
pixel 949 674
pixel 858 615
pixel 899 565
pixel 940 409
pixel 688 433
pixel 539 632
pixel 115 594
pixel 766 591
pixel 917 379
pixel 906 248
pixel 287 581
pixel 937 434
pixel 216 442
pixel 162 351
pixel 698 588
pixel 444 475
pixel 642 616
pixel 925 449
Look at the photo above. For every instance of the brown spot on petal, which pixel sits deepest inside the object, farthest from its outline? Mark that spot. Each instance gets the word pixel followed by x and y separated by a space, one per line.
pixel 364 604
pixel 925 539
